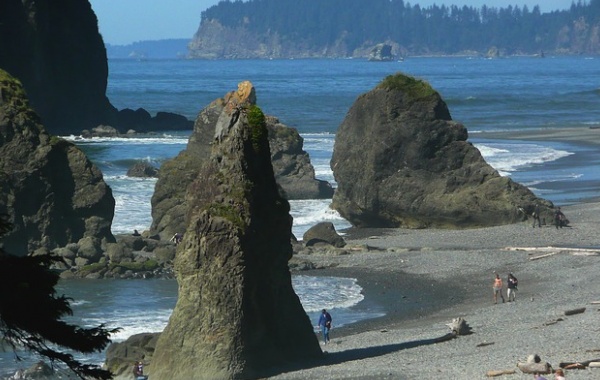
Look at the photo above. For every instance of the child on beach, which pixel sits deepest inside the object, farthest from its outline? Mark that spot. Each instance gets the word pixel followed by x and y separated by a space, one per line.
pixel 498 288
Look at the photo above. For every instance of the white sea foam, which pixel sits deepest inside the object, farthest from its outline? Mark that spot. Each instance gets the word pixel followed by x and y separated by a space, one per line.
pixel 307 213
pixel 508 157
pixel 162 139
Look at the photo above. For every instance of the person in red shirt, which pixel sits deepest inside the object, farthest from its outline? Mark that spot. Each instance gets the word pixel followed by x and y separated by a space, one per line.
pixel 498 288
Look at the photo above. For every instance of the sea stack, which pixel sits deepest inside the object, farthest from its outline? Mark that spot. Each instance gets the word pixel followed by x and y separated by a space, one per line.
pixel 237 314
pixel 400 161
pixel 291 166
pixel 51 192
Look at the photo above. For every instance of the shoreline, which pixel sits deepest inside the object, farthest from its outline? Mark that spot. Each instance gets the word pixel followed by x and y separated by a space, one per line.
pixel 453 273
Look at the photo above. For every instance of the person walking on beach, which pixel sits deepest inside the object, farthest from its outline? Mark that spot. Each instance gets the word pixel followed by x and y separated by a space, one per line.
pixel 498 288
pixel 511 285
pixel 536 216
pixel 325 325
pixel 559 218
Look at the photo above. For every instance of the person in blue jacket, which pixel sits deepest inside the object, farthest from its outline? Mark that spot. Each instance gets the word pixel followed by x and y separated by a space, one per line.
pixel 325 325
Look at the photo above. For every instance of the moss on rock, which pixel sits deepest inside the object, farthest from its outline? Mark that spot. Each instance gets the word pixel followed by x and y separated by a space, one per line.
pixel 415 89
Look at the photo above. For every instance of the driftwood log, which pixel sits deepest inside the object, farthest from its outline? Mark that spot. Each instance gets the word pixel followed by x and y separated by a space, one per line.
pixel 578 365
pixel 501 372
pixel 544 368
pixel 459 326
pixel 575 311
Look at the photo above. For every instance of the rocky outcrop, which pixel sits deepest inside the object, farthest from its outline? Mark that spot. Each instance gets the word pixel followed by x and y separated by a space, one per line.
pixel 291 164
pixel 142 169
pixel 54 48
pixel 381 53
pixel 237 315
pixel 121 356
pixel 323 233
pixel 415 167
pixel 56 51
pixel 51 192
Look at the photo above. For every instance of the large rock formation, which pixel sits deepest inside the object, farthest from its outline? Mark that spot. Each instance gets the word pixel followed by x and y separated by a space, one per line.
pixel 293 170
pixel 415 167
pixel 237 314
pixel 51 192
pixel 55 50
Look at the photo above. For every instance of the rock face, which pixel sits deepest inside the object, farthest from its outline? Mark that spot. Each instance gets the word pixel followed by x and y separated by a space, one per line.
pixel 55 50
pixel 52 193
pixel 323 233
pixel 293 170
pixel 381 53
pixel 237 314
pixel 415 167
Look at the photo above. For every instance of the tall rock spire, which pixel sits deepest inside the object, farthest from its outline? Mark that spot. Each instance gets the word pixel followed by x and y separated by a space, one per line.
pixel 237 314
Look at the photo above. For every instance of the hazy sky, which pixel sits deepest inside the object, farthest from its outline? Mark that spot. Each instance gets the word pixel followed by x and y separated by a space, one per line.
pixel 126 21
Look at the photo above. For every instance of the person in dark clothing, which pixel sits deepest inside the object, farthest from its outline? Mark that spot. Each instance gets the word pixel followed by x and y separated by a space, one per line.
pixel 325 325
pixel 559 218
pixel 511 284
pixel 536 216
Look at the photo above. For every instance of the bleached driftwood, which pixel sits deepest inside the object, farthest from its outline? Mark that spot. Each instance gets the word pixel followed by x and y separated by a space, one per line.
pixel 501 372
pixel 575 311
pixel 595 302
pixel 555 250
pixel 543 256
pixel 459 326
pixel 544 368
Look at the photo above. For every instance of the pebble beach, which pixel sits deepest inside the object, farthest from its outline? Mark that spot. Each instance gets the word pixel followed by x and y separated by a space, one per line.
pixel 423 279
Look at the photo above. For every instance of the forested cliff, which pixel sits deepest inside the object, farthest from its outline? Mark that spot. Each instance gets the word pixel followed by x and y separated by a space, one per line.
pixel 351 28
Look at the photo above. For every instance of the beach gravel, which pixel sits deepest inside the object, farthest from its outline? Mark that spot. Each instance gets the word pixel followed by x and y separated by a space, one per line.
pixel 425 278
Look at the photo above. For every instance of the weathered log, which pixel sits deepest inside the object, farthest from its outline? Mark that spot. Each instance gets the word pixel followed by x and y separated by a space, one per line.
pixel 578 364
pixel 574 366
pixel 494 373
pixel 544 368
pixel 595 302
pixel 459 326
pixel 543 256
pixel 575 311
pixel 594 365
pixel 485 344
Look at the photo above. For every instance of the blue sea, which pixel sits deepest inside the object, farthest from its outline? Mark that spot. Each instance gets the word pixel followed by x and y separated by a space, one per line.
pixel 510 94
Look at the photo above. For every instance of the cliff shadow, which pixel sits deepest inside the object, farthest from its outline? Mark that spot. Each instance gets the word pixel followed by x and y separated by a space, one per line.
pixel 333 358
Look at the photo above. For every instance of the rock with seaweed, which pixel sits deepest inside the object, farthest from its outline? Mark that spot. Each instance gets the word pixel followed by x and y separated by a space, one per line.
pixel 237 315
pixel 291 164
pixel 415 167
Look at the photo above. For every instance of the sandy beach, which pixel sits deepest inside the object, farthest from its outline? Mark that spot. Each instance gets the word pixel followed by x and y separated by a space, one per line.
pixel 425 278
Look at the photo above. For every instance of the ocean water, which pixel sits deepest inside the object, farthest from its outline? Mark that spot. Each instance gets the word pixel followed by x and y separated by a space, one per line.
pixel 511 94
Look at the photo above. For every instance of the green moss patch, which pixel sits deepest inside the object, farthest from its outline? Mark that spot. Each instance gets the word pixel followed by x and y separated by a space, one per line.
pixel 415 89
pixel 12 92
pixel 256 120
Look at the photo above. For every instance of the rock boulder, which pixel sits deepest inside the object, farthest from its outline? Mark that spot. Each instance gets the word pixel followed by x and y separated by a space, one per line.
pixel 51 192
pixel 400 161
pixel 291 164
pixel 237 315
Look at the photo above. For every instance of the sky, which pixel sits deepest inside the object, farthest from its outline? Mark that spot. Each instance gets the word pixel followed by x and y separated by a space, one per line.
pixel 126 21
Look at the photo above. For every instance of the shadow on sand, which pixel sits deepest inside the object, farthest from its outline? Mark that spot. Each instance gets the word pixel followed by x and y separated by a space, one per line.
pixel 334 358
